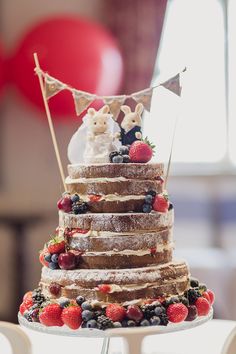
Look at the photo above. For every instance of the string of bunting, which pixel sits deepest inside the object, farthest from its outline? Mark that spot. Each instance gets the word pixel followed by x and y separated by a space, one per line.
pixel 82 99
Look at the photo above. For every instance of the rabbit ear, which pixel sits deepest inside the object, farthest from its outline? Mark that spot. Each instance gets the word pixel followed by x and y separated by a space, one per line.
pixel 139 108
pixel 92 112
pixel 105 109
pixel 125 109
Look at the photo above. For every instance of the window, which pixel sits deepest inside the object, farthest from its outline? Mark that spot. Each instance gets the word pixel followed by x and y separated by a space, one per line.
pixel 194 36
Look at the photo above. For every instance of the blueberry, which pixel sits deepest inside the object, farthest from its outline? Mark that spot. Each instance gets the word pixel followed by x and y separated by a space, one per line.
pixel 87 315
pixel 54 258
pixel 80 300
pixel 117 325
pixel 124 323
pixel 53 265
pixel 75 198
pixel 131 323
pixel 117 159
pixel 147 208
pixel 126 158
pixel 158 311
pixel 184 300
pixel 47 257
pixel 194 283
pixel 148 199
pixel 64 303
pixel 85 305
pixel 91 324
pixel 155 321
pixel 112 154
pixel 152 193
pixel 124 150
pixel 144 323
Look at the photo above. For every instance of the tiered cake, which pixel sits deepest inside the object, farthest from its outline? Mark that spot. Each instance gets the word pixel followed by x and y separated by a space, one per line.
pixel 130 251
pixel 109 263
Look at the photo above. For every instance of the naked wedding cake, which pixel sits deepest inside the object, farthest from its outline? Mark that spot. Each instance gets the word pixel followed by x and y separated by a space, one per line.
pixel 110 262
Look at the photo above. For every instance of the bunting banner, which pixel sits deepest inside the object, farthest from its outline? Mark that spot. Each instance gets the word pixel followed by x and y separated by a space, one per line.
pixel 114 104
pixel 144 97
pixel 83 99
pixel 52 86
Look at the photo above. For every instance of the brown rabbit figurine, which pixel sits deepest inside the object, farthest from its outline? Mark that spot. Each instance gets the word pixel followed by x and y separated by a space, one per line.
pixel 131 124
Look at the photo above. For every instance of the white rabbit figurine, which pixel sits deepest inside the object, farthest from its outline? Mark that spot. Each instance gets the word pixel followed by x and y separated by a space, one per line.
pixel 131 124
pixel 96 138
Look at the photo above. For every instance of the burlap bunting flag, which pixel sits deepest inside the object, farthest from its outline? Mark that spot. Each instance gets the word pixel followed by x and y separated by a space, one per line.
pixel 144 97
pixel 52 86
pixel 82 101
pixel 173 84
pixel 114 104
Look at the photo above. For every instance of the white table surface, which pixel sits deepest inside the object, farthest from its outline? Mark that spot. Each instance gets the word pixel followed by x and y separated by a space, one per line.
pixel 206 339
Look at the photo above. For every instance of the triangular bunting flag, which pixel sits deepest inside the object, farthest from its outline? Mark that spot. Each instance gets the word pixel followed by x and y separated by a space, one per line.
pixel 144 97
pixel 173 84
pixel 114 104
pixel 52 86
pixel 82 100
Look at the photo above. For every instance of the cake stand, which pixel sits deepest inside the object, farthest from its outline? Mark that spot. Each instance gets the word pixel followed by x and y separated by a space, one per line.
pixel 133 337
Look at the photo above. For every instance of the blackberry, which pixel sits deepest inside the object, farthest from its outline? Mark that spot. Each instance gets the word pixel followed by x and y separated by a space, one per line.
pixel 38 297
pixel 99 313
pixel 79 208
pixel 152 193
pixel 112 154
pixel 104 322
pixel 184 300
pixel 34 314
pixel 192 295
pixel 27 316
pixel 170 206
pixel 148 311
pixel 124 150
pixel 164 320
pixel 194 283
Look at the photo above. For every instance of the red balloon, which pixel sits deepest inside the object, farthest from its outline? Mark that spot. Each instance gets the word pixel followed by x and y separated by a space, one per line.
pixel 76 51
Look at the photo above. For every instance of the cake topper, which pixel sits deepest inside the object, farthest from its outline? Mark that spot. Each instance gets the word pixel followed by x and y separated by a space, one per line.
pixel 95 138
pixel 131 124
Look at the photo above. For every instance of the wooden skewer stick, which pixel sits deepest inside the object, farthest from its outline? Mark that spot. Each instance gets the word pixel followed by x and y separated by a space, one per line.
pixel 48 113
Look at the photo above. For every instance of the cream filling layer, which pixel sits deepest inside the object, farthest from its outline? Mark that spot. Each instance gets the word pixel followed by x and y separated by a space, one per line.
pixel 114 197
pixel 159 249
pixel 105 234
pixel 69 180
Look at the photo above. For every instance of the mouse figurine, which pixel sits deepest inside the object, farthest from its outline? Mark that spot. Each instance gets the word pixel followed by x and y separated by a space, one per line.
pixel 131 124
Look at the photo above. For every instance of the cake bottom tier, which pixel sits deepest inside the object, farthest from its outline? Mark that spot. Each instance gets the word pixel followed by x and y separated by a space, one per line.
pixel 117 285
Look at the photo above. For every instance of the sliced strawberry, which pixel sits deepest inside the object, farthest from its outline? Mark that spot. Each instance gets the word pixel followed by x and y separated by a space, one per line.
pixel 94 198
pixel 161 203
pixel 42 254
pixel 27 296
pixel 56 245
pixel 104 288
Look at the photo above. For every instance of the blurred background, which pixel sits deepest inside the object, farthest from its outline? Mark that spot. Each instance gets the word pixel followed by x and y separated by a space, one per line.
pixel 111 47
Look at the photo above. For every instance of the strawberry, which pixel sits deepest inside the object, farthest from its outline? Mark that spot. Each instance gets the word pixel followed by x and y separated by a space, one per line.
pixel 203 306
pixel 115 312
pixel 71 316
pixel 77 231
pixel 211 296
pixel 56 245
pixel 51 315
pixel 26 305
pixel 161 203
pixel 94 198
pixel 206 296
pixel 177 312
pixel 27 296
pixel 42 254
pixel 134 313
pixel 104 288
pixel 141 151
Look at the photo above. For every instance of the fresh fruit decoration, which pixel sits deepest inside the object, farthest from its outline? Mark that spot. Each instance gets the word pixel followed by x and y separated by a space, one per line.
pixel 141 151
pixel 121 156
pixel 157 202
pixel 72 204
pixel 81 313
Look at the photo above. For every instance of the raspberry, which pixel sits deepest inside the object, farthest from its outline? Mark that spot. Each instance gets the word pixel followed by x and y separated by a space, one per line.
pixel 115 312
pixel 134 313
